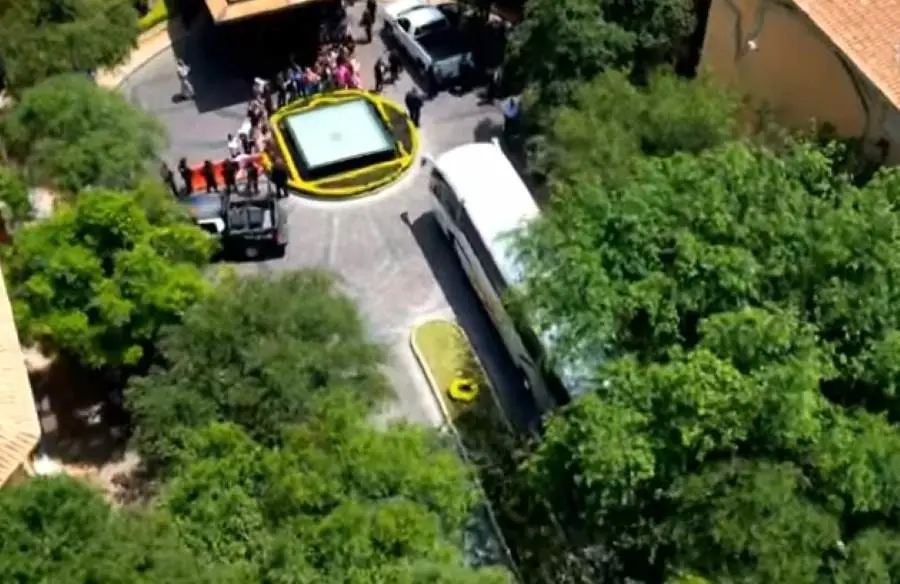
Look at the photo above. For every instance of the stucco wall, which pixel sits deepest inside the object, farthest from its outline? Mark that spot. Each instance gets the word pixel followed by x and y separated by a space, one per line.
pixel 774 54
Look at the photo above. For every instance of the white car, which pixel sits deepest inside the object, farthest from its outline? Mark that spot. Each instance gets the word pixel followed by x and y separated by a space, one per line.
pixel 435 46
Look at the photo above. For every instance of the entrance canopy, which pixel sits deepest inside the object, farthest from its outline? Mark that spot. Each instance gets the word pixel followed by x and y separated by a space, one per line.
pixel 229 10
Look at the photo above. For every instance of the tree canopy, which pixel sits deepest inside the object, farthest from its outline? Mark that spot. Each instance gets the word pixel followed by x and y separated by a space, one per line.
pixel 14 196
pixel 340 502
pixel 60 530
pixel 611 124
pixel 68 133
pixel 258 353
pixel 562 42
pixel 100 277
pixel 43 38
pixel 741 426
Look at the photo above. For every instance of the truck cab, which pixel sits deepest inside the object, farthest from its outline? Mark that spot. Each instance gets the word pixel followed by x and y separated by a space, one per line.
pixel 247 226
pixel 436 46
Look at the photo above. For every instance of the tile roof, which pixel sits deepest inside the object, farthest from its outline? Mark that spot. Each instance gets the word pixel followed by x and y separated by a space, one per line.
pixel 20 429
pixel 868 33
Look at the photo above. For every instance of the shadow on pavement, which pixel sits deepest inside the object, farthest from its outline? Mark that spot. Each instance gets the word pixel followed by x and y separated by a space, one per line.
pixel 217 82
pixel 487 129
pixel 517 402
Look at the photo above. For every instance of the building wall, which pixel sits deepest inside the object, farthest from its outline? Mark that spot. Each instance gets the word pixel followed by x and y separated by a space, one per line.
pixel 770 51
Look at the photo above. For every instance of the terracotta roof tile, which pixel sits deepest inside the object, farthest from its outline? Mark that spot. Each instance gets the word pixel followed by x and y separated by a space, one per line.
pixel 20 429
pixel 868 33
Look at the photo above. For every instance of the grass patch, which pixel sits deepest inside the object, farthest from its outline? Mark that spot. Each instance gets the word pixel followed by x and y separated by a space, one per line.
pixel 496 450
pixel 158 13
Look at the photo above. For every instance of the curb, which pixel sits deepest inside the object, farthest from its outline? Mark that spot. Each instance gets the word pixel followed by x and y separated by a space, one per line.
pixel 448 423
pixel 117 78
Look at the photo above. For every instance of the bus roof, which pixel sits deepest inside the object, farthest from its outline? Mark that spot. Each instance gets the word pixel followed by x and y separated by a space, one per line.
pixel 495 197
pixel 498 203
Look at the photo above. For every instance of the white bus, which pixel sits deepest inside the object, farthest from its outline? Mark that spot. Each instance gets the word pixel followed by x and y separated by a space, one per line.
pixel 478 200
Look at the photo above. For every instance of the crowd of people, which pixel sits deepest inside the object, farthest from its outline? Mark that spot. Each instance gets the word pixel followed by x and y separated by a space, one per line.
pixel 334 67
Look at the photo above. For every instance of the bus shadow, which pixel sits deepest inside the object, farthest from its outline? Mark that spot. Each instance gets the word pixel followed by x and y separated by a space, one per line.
pixel 516 401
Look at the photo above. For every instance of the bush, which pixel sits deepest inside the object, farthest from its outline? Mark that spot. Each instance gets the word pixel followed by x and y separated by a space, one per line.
pixel 158 13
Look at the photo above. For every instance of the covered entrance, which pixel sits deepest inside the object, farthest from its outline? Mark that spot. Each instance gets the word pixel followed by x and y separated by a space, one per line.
pixel 262 36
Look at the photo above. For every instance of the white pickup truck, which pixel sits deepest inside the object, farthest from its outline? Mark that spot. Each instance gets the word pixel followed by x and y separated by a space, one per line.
pixel 435 46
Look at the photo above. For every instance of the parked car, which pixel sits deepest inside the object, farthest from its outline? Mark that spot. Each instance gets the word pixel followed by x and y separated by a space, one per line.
pixel 435 46
pixel 248 226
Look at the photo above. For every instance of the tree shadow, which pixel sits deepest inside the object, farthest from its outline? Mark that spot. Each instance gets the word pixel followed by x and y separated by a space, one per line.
pixel 81 421
pixel 516 400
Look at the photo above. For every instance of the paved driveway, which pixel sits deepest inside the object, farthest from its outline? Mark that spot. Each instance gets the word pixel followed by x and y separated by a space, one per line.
pixel 386 249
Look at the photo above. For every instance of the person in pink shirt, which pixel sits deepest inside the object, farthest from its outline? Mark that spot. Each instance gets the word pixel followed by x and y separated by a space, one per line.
pixel 343 75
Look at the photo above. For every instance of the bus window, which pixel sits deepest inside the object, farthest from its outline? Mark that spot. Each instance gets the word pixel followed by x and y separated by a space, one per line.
pixel 444 193
pixel 536 351
pixel 482 254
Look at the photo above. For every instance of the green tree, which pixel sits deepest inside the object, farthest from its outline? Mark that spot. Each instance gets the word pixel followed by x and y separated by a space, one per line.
pixel 872 556
pixel 70 134
pixel 60 530
pixel 750 523
pixel 562 42
pixel 14 196
pixel 698 235
pixel 43 38
pixel 612 123
pixel 341 502
pixel 257 353
pixel 98 279
pixel 740 303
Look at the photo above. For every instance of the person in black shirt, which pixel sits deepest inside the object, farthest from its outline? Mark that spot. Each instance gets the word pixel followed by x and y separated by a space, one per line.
pixel 168 177
pixel 367 22
pixel 245 142
pixel 187 175
pixel 279 177
pixel 280 91
pixel 380 68
pixel 395 64
pixel 229 172
pixel 209 175
pixel 252 178
pixel 414 103
pixel 253 115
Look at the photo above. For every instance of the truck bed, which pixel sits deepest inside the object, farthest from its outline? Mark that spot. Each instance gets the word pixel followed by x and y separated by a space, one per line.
pixel 443 44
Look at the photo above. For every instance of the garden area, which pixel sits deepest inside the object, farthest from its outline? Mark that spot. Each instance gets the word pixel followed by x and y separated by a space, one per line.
pixel 490 444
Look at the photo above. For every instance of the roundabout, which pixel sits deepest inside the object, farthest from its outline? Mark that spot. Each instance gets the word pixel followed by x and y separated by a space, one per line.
pixel 342 144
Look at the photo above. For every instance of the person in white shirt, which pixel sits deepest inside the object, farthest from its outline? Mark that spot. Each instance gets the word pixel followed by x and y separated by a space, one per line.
pixel 234 146
pixel 183 71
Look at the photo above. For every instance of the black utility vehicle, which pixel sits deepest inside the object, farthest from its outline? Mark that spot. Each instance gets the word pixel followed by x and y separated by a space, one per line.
pixel 247 225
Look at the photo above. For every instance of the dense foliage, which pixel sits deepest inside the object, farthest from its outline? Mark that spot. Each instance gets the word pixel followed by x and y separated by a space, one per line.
pixel 741 426
pixel 258 353
pixel 14 198
pixel 612 123
pixel 100 277
pixel 43 38
pixel 343 503
pixel 68 133
pixel 563 42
